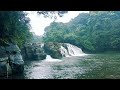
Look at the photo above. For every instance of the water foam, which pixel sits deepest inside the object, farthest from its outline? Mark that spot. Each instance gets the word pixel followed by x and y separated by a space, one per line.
pixel 50 59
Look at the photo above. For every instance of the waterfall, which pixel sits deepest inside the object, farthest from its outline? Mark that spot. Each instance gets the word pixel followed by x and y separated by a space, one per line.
pixel 64 52
pixel 74 50
pixel 71 50
pixel 50 59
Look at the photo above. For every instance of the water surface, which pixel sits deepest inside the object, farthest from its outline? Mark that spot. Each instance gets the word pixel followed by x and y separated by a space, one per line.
pixel 92 66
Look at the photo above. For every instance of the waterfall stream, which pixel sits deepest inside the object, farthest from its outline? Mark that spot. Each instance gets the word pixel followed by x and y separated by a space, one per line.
pixel 71 51
pixel 50 59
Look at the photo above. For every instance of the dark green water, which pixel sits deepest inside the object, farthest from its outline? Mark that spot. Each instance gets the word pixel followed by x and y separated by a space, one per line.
pixel 94 66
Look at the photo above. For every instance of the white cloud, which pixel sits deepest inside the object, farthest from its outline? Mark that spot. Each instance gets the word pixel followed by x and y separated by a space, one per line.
pixel 38 23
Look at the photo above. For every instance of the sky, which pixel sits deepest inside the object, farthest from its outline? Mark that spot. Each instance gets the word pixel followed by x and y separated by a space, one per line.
pixel 38 22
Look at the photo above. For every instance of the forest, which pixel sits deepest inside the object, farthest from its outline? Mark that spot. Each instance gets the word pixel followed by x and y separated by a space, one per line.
pixel 15 26
pixel 97 31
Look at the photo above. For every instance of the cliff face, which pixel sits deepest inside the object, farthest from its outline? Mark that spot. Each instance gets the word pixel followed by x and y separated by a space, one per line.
pixel 11 61
pixel 33 51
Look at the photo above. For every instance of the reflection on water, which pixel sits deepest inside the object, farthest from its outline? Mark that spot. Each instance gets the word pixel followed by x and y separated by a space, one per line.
pixel 94 66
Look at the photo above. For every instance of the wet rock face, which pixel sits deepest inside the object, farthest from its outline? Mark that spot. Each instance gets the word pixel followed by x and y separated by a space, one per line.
pixel 16 63
pixel 53 49
pixel 38 54
pixel 39 51
pixel 34 51
pixel 4 67
pixel 11 60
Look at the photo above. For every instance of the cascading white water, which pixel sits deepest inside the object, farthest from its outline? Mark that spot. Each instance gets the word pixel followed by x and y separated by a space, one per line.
pixel 71 51
pixel 50 59
pixel 74 50
pixel 64 52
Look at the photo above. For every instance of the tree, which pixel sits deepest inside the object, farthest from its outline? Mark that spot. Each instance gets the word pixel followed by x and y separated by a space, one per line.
pixel 52 14
pixel 95 32
pixel 14 27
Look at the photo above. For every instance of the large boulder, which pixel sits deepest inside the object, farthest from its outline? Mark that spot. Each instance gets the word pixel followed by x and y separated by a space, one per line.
pixel 39 53
pixel 53 49
pixel 11 61
pixel 16 61
pixel 34 51
pixel 5 68
pixel 27 51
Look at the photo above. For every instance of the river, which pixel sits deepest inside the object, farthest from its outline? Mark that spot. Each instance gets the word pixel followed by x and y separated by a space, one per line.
pixel 91 66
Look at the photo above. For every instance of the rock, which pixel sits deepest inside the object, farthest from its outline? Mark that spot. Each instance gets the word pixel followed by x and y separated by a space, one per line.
pixel 4 67
pixel 34 51
pixel 12 48
pixel 17 63
pixel 39 56
pixel 3 59
pixel 2 52
pixel 53 49
pixel 11 60
pixel 38 51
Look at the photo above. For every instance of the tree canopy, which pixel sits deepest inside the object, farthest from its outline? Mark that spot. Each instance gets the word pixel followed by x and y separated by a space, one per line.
pixel 52 14
pixel 14 27
pixel 94 32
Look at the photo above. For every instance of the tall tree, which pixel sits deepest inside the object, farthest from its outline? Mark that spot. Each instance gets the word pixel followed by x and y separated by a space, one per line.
pixel 14 27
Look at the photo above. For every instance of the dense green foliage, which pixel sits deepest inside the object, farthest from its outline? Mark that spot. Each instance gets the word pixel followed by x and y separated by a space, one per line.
pixel 14 27
pixel 35 38
pixel 93 32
